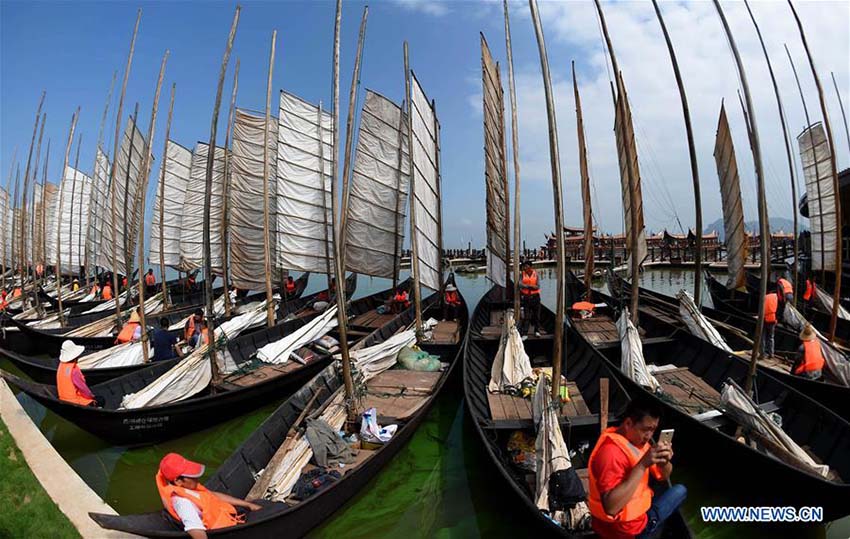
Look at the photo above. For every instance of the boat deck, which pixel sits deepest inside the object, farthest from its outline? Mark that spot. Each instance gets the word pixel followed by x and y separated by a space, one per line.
pixel 493 331
pixel 505 407
pixel 371 319
pixel 600 329
pixel 446 332
pixel 397 394
pixel 259 374
pixel 690 392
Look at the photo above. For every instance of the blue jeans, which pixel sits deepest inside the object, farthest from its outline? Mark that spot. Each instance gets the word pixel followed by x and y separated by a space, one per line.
pixel 662 507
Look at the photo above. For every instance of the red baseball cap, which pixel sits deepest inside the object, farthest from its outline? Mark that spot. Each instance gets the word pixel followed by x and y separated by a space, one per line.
pixel 173 466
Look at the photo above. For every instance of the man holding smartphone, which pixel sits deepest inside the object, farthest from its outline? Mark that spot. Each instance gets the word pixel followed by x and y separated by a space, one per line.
pixel 620 499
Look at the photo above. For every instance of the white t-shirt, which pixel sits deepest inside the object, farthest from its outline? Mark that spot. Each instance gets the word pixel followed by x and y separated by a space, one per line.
pixel 189 514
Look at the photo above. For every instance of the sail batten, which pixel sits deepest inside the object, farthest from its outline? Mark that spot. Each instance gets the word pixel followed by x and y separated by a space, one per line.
pixel 178 164
pixel 495 168
pixel 625 135
pixel 378 192
pixel 733 210
pixel 816 159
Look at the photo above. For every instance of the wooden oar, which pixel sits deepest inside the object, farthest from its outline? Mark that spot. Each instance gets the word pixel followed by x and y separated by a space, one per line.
pixel 603 404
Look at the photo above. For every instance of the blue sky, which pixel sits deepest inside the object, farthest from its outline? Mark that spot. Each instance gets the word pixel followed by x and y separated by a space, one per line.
pixel 72 49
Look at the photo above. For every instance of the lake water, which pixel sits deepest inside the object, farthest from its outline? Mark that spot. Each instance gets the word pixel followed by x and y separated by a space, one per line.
pixel 440 485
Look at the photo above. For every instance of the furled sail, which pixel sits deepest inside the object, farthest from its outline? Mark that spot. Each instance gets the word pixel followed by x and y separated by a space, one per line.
pixel 304 174
pixel 192 225
pixel 817 169
pixel 126 186
pixel 495 168
pixel 44 207
pixel 426 186
pixel 178 161
pixel 733 210
pixel 246 199
pixel 587 207
pixel 625 135
pixel 70 221
pixel 100 199
pixel 377 199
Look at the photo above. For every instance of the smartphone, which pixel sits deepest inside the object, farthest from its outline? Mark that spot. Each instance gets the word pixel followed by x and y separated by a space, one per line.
pixel 666 436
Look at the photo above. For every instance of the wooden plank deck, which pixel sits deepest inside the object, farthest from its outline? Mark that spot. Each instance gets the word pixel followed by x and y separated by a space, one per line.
pixel 398 393
pixel 691 392
pixel 445 332
pixel 372 319
pixel 509 407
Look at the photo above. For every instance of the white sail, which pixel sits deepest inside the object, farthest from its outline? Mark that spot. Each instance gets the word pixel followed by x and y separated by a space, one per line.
pixel 100 199
pixel 192 225
pixel 43 216
pixel 495 169
pixel 178 161
pixel 817 169
pixel 127 198
pixel 426 186
pixel 6 227
pixel 733 210
pixel 70 222
pixel 246 199
pixel 625 135
pixel 304 174
pixel 377 196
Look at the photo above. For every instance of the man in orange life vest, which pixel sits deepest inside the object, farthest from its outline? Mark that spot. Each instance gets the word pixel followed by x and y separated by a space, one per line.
pixel 289 286
pixel 620 500
pixel 106 293
pixel 150 283
pixel 810 294
pixel 132 330
pixel 451 303
pixel 193 505
pixel 193 327
pixel 810 360
pixel 70 383
pixel 400 301
pixel 771 311
pixel 529 289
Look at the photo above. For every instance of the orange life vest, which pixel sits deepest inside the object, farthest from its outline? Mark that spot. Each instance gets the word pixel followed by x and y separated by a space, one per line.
pixel 16 293
pixel 641 499
pixel 68 392
pixel 190 329
pixel 452 298
pixel 787 287
pixel 124 282
pixel 583 306
pixel 215 512
pixel 812 357
pixel 39 270
pixel 771 303
pixel 290 287
pixel 401 297
pixel 810 290
pixel 127 332
pixel 150 280
pixel 530 280
pixel 107 292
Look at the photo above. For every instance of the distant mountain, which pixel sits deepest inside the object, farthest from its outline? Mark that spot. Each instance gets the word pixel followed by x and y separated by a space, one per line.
pixel 777 224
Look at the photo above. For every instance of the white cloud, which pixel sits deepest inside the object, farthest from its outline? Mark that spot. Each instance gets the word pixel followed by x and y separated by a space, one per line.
pixel 437 8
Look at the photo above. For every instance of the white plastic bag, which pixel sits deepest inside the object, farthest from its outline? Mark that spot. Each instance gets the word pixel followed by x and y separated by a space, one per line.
pixel 370 431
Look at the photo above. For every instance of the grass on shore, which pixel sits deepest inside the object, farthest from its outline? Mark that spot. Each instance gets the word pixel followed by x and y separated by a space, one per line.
pixel 27 510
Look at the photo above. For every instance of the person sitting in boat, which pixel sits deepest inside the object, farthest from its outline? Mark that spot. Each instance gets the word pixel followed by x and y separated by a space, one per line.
pixel 620 499
pixel 132 330
pixel 810 359
pixel 164 342
pixel 326 295
pixel 451 303
pixel 195 507
pixel 106 293
pixel 192 329
pixel 75 285
pixel 17 291
pixel 583 308
pixel 124 283
pixel 3 302
pixel 786 289
pixel 39 270
pixel 289 286
pixel 150 283
pixel 95 289
pixel 70 383
pixel 529 289
pixel 399 301
pixel 771 311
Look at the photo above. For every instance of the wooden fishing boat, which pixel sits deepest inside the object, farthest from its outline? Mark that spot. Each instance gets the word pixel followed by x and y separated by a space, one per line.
pixel 692 386
pixel 497 416
pixel 252 384
pixel 236 476
pixel 737 331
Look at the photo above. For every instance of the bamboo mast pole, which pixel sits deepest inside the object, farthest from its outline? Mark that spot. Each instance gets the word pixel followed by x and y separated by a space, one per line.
pixel 585 190
pixel 15 223
pixel 161 186
pixel 22 232
pixel 129 256
pixel 112 187
pixel 6 233
pixel 414 244
pixel 71 212
pixel 94 166
pixel 43 220
pixel 267 260
pixel 504 171
pixel 440 198
pixel 841 105
pixel 208 288
pixel 349 132
pixel 755 146
pixel 328 271
pixel 225 195
pixel 398 199
pixel 515 150
pixel 74 119
pixel 32 264
pixel 836 291
pixel 620 104
pixel 787 137
pixel 341 316
pixel 555 163
pixel 143 186
pixel 692 155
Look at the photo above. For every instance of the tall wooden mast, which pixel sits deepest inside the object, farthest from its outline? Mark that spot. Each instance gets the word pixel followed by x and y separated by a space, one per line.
pixel 22 263
pixel 515 155
pixel 32 264
pixel 162 198
pixel 74 119
pixel 585 191
pixel 225 195
pixel 267 258
pixel 9 203
pixel 414 260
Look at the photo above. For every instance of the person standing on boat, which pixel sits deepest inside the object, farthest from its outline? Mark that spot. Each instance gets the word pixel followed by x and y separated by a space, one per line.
pixel 193 505
pixel 451 303
pixel 70 383
pixel 810 293
pixel 771 310
pixel 784 286
pixel 150 283
pixel 810 359
pixel 620 500
pixel 106 293
pixel 529 288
